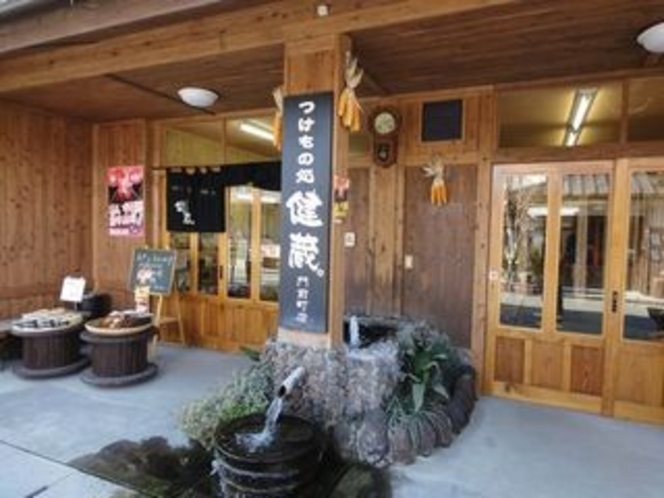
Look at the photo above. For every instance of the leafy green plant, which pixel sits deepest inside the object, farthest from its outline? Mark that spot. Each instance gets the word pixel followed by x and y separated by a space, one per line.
pixel 427 358
pixel 248 392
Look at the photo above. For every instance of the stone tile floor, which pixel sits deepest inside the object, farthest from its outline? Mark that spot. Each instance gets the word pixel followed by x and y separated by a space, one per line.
pixel 509 450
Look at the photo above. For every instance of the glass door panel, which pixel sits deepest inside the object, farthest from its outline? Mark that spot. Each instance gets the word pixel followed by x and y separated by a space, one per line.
pixel 644 277
pixel 239 241
pixel 270 248
pixel 525 208
pixel 208 263
pixel 583 248
pixel 180 242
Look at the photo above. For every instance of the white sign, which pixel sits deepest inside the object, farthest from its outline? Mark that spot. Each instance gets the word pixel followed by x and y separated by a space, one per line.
pixel 72 289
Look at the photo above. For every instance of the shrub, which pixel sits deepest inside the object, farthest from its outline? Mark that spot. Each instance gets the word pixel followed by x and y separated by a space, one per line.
pixel 248 392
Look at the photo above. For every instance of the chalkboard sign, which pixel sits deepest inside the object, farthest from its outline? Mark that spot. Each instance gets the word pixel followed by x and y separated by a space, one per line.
pixel 153 267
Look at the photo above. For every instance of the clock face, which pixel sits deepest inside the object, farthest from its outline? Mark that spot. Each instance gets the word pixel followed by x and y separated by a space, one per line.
pixel 385 123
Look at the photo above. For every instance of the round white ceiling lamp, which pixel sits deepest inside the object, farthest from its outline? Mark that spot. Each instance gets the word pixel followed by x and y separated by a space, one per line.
pixel 652 38
pixel 197 97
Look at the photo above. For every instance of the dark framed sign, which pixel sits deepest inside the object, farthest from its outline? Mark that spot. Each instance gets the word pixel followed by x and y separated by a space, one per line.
pixel 153 268
pixel 306 176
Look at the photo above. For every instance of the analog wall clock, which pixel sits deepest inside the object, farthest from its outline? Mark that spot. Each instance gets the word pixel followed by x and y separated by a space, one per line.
pixel 385 123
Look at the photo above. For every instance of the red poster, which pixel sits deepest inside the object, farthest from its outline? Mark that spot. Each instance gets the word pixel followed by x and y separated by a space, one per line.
pixel 126 208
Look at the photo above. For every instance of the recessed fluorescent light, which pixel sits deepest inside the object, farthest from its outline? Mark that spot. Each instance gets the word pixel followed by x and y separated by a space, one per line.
pixel 571 137
pixel 257 131
pixel 582 101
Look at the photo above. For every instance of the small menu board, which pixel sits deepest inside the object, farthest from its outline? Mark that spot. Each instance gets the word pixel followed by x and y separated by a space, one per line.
pixel 153 268
pixel 72 289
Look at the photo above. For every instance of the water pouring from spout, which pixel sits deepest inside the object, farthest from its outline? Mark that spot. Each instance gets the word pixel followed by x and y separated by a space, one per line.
pixel 354 330
pixel 255 441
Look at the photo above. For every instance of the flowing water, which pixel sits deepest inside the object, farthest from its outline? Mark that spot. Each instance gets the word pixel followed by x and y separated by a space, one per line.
pixel 257 440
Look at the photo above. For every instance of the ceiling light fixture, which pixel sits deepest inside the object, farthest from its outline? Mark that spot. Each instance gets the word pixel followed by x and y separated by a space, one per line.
pixel 197 97
pixel 257 130
pixel 652 39
pixel 323 10
pixel 583 101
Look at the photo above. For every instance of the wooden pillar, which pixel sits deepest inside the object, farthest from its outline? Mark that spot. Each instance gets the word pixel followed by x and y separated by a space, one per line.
pixel 312 66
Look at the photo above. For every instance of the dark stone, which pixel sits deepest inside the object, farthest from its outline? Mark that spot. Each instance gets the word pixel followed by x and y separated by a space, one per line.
pixel 372 443
pixel 401 445
pixel 427 432
pixel 457 415
pixel 443 426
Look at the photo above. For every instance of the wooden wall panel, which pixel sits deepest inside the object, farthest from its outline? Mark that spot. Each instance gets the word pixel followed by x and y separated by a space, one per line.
pixel 357 259
pixel 418 152
pixel 116 144
pixel 383 230
pixel 587 370
pixel 640 378
pixel 45 200
pixel 547 365
pixel 441 241
pixel 182 148
pixel 509 362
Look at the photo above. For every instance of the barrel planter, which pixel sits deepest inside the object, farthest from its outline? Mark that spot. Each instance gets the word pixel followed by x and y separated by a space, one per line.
pixel 50 352
pixel 119 357
pixel 286 467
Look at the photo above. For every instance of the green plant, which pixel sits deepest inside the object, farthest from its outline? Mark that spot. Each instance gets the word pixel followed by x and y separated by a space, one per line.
pixel 248 392
pixel 427 358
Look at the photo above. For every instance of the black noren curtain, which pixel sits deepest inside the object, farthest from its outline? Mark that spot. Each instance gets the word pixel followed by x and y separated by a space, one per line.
pixel 195 201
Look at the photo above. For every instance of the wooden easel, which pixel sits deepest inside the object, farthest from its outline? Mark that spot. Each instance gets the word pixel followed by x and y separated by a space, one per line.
pixel 161 320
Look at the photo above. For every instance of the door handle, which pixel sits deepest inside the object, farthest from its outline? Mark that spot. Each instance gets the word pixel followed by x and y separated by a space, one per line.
pixel 614 302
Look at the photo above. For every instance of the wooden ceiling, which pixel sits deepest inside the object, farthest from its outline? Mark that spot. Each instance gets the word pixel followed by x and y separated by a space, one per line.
pixel 504 45
pixel 530 41
pixel 243 81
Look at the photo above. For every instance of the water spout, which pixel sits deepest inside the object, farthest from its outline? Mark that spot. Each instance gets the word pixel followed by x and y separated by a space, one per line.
pixel 255 441
pixel 291 382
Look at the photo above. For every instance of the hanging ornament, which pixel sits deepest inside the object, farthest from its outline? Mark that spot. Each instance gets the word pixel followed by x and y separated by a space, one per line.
pixel 436 170
pixel 349 107
pixel 278 95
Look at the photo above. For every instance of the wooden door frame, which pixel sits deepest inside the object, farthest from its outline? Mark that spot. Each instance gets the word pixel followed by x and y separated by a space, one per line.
pixel 547 333
pixel 618 344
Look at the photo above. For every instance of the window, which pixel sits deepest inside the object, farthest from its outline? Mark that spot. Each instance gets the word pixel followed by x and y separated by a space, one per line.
pixel 564 116
pixel 243 261
pixel 646 109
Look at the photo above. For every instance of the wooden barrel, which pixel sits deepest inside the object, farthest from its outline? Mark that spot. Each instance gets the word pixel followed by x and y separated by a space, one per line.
pixel 286 467
pixel 50 352
pixel 119 358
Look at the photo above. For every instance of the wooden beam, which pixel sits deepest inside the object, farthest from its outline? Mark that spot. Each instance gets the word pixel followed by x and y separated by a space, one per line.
pixel 276 23
pixel 80 19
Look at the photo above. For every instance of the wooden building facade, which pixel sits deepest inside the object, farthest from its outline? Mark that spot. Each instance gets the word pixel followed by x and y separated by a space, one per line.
pixel 545 261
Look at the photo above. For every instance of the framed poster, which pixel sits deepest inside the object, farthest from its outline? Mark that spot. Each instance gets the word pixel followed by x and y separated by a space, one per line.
pixel 126 209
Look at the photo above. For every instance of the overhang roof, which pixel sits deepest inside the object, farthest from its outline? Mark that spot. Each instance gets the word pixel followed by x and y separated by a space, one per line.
pixel 133 68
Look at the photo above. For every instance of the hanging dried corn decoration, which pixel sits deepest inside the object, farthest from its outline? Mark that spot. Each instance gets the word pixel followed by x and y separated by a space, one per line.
pixel 438 195
pixel 349 107
pixel 277 127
